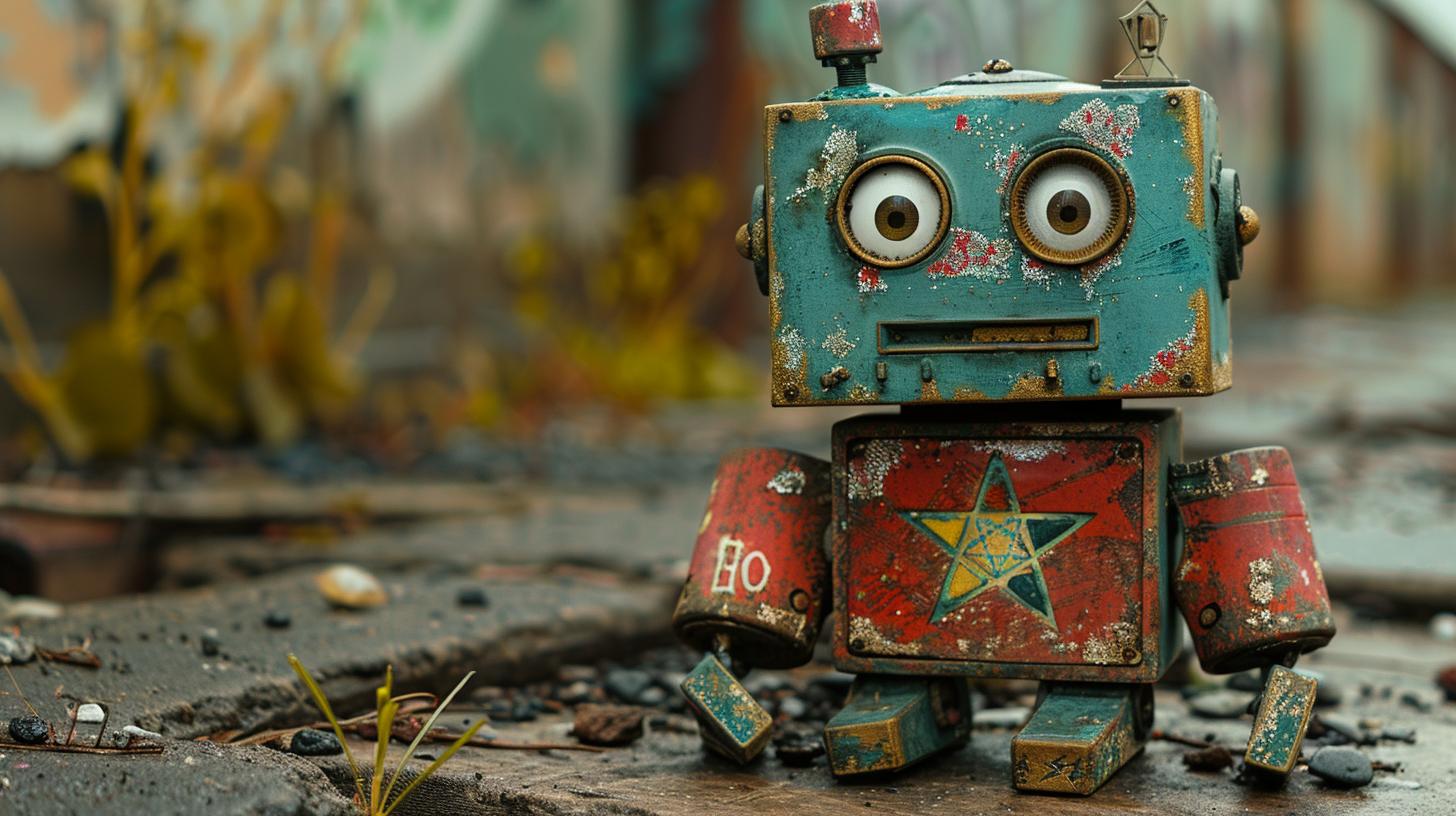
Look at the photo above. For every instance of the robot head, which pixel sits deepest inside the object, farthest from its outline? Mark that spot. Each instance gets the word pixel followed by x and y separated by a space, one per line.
pixel 1005 235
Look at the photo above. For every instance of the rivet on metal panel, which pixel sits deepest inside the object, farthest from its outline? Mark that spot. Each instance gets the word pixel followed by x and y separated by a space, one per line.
pixel 927 369
pixel 1209 616
pixel 791 392
pixel 1127 452
pixel 1186 380
pixel 1094 372
pixel 1053 373
pixel 882 371
pixel 833 377
pixel 799 600
pixel 1174 100
pixel 786 116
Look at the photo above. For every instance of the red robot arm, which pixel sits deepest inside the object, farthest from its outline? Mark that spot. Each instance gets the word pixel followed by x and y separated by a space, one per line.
pixel 1248 582
pixel 759 578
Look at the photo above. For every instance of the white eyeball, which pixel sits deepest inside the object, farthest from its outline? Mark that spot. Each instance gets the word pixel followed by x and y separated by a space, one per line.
pixel 1068 207
pixel 893 213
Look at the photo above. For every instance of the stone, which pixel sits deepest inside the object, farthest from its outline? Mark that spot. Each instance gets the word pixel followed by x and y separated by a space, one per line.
pixel 577 692
pixel 1446 681
pixel 607 725
pixel 1443 626
pixel 1396 733
pixel 652 696
pixel 1246 681
pixel 472 596
pixel 349 587
pixel 1341 766
pixel 30 729
pixel 313 742
pixel 140 733
pixel 1001 718
pixel 627 685
pixel 799 751
pixel 793 707
pixel 1416 701
pixel 27 608
pixel 16 649
pixel 90 713
pixel 1343 730
pixel 1220 705
pixel 210 642
pixel 277 619
pixel 1213 758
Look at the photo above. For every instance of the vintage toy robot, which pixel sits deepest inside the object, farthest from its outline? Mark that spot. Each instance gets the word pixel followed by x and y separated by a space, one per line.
pixel 1008 256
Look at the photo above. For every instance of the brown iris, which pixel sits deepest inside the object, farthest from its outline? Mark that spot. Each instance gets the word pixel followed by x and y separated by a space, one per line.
pixel 897 217
pixel 1068 212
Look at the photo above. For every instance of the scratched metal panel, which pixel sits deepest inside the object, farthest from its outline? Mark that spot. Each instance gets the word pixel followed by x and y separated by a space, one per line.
pixel 1003 549
pixel 1161 317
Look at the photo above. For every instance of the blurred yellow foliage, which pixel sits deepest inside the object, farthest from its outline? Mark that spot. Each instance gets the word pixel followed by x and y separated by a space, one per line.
pixel 221 343
pixel 626 326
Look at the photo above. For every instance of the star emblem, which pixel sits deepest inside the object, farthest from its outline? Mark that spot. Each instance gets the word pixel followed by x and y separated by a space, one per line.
pixel 996 546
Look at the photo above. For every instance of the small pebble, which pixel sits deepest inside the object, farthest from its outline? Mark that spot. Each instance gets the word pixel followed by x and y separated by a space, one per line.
pixel 1341 766
pixel 27 608
pixel 627 685
pixel 607 724
pixel 16 649
pixel 1220 705
pixel 1246 681
pixel 90 713
pixel 1446 681
pixel 1416 701
pixel 1212 758
pixel 577 692
pixel 1399 734
pixel 799 752
pixel 30 729
pixel 140 733
pixel 1343 729
pixel 277 619
pixel 472 596
pixel 210 642
pixel 999 718
pixel 312 742
pixel 1443 626
pixel 793 707
pixel 349 587
pixel 652 696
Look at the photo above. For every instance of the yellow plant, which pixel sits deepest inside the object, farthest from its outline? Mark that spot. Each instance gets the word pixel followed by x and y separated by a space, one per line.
pixel 244 344
pixel 377 801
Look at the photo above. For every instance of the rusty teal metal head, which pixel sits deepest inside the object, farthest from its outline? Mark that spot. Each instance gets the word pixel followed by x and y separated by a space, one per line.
pixel 1005 235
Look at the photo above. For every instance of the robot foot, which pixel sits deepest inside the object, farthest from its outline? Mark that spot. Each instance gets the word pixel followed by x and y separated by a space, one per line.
pixel 1079 735
pixel 730 721
pixel 1279 725
pixel 889 723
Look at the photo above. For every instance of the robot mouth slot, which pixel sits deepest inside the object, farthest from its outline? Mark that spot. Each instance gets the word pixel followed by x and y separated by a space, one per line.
pixel 1006 334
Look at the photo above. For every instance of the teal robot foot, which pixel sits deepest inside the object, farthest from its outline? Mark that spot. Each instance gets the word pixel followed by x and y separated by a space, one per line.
pixel 1080 735
pixel 890 723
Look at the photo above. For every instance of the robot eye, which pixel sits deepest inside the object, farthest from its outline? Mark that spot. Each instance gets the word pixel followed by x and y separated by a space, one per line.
pixel 1069 206
pixel 893 210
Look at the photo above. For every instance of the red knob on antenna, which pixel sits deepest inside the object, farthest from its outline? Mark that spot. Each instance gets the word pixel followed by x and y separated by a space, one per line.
pixel 845 29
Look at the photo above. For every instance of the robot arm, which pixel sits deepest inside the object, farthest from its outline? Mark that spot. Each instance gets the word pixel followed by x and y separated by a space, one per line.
pixel 757 587
pixel 1250 587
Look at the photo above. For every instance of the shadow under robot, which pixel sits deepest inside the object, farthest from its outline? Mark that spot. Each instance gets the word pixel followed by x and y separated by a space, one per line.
pixel 1007 256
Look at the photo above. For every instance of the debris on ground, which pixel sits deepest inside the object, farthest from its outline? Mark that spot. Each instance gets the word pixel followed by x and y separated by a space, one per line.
pixel 607 725
pixel 1213 758
pixel 1221 704
pixel 29 729
pixel 349 587
pixel 797 745
pixel 16 649
pixel 313 742
pixel 1341 766
pixel 1446 680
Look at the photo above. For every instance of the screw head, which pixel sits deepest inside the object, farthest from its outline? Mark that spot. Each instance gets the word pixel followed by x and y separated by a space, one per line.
pixel 791 392
pixel 1174 100
pixel 799 600
pixel 1209 615
pixel 786 116
pixel 1185 380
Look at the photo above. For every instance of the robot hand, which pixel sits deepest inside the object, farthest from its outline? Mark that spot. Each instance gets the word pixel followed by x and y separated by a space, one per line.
pixel 1251 589
pixel 756 588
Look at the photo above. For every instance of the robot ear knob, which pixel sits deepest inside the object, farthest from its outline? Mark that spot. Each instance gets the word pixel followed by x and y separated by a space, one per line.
pixel 846 28
pixel 1246 221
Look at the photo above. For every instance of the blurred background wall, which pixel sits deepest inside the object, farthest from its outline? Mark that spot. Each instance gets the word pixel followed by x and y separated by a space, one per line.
pixel 531 202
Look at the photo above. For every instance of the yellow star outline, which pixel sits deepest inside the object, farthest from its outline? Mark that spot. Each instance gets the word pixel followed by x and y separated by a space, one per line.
pixel 995 548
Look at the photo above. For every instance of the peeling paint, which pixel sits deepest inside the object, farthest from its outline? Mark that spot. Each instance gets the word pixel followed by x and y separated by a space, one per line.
pixel 868 280
pixel 867 472
pixel 835 161
pixel 838 343
pixel 789 481
pixel 1022 450
pixel 1105 128
pixel 973 254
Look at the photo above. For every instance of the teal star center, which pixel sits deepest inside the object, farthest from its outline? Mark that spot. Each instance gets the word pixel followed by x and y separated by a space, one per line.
pixel 996 546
